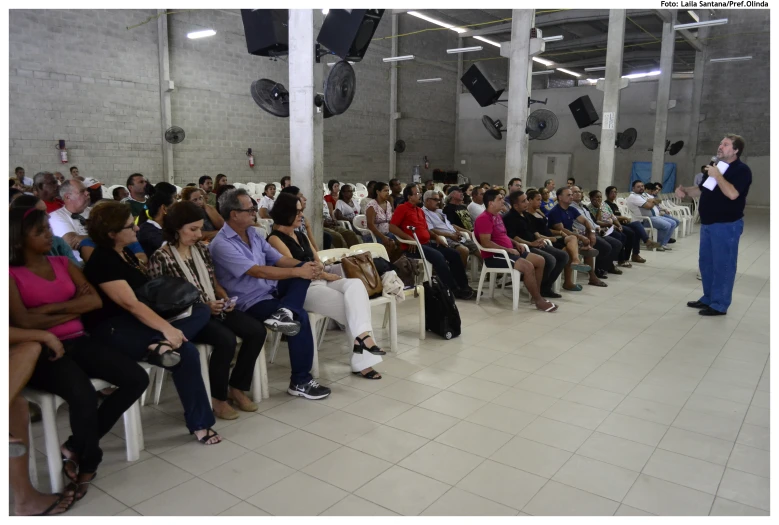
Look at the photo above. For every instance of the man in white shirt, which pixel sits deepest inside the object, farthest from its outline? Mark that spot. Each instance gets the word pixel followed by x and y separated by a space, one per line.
pixel 439 224
pixel 266 203
pixel 476 207
pixel 70 221
pixel 549 185
pixel 24 181
pixel 641 206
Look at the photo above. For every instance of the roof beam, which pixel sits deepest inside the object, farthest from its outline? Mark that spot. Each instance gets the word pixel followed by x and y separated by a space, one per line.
pixel 552 19
pixel 628 56
pixel 666 16
pixel 635 37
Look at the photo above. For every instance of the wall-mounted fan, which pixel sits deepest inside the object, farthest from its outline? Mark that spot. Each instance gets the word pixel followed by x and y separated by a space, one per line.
pixel 174 135
pixel 589 140
pixel 340 87
pixel 400 146
pixel 271 97
pixel 626 139
pixel 493 126
pixel 674 148
pixel 541 124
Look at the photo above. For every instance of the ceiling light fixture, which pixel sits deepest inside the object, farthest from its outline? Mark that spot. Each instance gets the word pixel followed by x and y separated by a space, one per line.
pixel 201 34
pixel 464 49
pixel 599 68
pixel 325 11
pixel 548 72
pixel 642 75
pixel 705 23
pixel 426 80
pixel 331 64
pixel 398 59
pixel 694 15
pixel 543 61
pixel 492 42
pixel 568 72
pixel 555 38
pixel 436 22
pixel 731 59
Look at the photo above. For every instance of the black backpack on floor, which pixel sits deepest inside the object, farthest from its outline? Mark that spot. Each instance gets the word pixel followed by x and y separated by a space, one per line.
pixel 441 314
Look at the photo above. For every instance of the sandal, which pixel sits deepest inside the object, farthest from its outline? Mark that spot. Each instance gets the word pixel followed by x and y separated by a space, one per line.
pixel 72 475
pixel 210 433
pixel 165 360
pixel 56 505
pixel 76 488
pixel 615 271
pixel 550 309
pixel 600 284
pixel 626 264
pixel 370 375
pixel 375 350
pixel 576 288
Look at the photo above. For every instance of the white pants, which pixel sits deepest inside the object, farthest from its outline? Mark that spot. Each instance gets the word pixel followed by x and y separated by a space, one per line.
pixel 345 301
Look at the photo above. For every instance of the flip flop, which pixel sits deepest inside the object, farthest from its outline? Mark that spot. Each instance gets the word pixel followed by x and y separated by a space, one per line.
pixel 370 375
pixel 600 284
pixel 54 505
pixel 551 309
pixel 576 288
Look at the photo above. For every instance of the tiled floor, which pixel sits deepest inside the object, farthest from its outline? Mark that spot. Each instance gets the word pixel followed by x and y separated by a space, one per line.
pixel 624 402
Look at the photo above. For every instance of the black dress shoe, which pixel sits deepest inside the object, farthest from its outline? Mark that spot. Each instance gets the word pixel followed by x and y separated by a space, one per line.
pixel 550 294
pixel 710 311
pixel 671 241
pixel 697 304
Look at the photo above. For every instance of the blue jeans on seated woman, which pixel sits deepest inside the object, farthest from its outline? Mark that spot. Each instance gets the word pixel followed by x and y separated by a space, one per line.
pixel 131 337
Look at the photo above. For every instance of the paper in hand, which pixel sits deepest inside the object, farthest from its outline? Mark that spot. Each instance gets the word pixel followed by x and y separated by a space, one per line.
pixel 609 231
pixel 711 182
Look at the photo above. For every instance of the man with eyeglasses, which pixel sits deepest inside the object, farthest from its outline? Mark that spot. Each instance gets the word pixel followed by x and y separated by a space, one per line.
pixel 70 221
pixel 269 286
pixel 439 224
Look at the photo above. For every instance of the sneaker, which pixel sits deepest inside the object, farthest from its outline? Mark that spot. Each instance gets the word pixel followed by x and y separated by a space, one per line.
pixel 282 321
pixel 667 248
pixel 660 249
pixel 311 390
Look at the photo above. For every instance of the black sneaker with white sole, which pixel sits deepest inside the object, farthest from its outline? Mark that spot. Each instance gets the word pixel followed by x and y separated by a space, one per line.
pixel 282 322
pixel 311 390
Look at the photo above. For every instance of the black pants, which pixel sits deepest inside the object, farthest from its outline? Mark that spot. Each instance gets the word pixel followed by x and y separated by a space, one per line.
pixel 554 264
pixel 608 248
pixel 446 263
pixel 69 377
pixel 221 333
pixel 633 240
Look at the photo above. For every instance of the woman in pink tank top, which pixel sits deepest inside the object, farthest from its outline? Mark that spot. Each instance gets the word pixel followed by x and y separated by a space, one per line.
pixel 51 293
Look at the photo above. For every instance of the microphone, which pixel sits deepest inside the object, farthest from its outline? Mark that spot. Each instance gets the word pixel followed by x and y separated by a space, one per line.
pixel 714 161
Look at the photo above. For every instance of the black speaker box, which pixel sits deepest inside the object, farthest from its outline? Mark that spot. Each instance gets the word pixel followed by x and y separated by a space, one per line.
pixel 583 111
pixel 481 89
pixel 267 31
pixel 348 32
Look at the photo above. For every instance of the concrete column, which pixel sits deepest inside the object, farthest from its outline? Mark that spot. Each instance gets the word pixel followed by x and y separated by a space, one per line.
pixel 393 111
pixel 663 95
pixel 166 86
pixel 301 111
pixel 316 196
pixel 691 143
pixel 519 58
pixel 457 90
pixel 611 88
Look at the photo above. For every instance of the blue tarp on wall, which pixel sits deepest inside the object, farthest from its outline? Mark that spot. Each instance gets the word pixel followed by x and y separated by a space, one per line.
pixel 643 171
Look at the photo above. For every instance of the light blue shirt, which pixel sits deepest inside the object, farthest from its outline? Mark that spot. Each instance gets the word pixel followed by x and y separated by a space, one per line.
pixel 233 258
pixel 437 220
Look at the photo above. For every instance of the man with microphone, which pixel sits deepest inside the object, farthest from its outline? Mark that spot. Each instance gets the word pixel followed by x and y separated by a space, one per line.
pixel 723 194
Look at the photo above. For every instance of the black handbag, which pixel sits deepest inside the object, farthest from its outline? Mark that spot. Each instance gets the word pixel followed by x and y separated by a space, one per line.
pixel 168 296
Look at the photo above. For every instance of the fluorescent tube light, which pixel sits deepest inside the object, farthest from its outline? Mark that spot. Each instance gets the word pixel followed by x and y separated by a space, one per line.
pixel 599 68
pixel 568 71
pixel 706 23
pixel 426 80
pixel 731 59
pixel 201 34
pixel 642 75
pixel 496 44
pixel 464 49
pixel 398 59
pixel 436 22
pixel 694 15
pixel 552 38
pixel 548 72
pixel 543 61
pixel 331 64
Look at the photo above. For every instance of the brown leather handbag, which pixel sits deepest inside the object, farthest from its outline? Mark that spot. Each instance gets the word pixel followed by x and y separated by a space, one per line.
pixel 360 266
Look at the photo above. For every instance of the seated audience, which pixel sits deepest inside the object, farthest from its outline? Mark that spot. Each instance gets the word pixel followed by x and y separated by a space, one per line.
pixel 59 246
pixel 439 224
pixel 95 189
pixel 457 211
pixel 343 300
pixel 70 221
pixel 491 232
pixel 571 182
pixel 335 190
pixel 605 260
pixel 604 218
pixel 13 193
pixel 24 352
pixel 654 189
pixel 51 293
pixel 561 222
pixel 397 193
pixel 476 207
pixel 150 230
pixel 132 327
pixel 305 226
pixel 641 205
pixel 59 176
pixel 636 227
pixel 467 190
pixel 549 186
pixel 547 202
pixel 207 186
pixel 136 186
pixel 74 174
pixel 338 233
pixel 371 186
pixel 446 261
pixel 212 221
pixel 120 193
pixel 378 215
pixel 45 187
pixel 24 182
pixel 266 202
pixel 515 184
pixel 270 287
pixel 285 182
pixel 220 190
pixel 185 257
pixel 221 180
pixel 698 180
pixel 521 227
pixel 345 209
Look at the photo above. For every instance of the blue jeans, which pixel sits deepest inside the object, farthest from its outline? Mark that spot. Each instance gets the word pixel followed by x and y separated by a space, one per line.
pixel 717 259
pixel 665 228
pixel 131 337
pixel 290 294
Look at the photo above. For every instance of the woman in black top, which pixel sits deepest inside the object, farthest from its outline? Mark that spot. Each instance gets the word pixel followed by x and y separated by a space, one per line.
pixel 344 300
pixel 130 326
pixel 150 230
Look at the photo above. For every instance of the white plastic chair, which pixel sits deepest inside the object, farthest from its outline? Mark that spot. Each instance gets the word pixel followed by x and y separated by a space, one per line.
pixel 516 282
pixel 265 224
pixel 318 328
pixel 49 404
pixel 360 223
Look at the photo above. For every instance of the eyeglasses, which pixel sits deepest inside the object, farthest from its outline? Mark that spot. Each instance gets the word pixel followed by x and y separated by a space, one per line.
pixel 253 209
pixel 130 227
